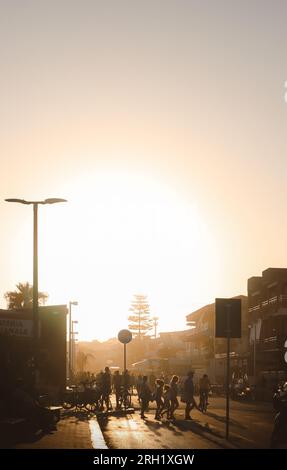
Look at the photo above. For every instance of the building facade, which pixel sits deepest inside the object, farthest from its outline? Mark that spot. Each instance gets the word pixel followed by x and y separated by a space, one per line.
pixel 207 353
pixel 267 302
pixel 17 347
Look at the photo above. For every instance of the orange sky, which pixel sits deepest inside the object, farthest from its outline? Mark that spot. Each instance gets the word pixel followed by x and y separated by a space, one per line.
pixel 164 125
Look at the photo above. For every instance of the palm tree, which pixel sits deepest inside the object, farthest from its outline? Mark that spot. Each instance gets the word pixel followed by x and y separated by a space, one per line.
pixel 23 297
pixel 82 360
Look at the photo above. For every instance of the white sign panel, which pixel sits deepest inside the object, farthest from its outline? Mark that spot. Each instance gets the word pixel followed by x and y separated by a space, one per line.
pixel 16 327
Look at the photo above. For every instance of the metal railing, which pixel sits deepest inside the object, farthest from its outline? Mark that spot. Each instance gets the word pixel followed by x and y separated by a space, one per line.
pixel 277 299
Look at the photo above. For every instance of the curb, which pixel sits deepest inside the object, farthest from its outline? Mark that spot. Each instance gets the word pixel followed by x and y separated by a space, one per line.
pixel 97 437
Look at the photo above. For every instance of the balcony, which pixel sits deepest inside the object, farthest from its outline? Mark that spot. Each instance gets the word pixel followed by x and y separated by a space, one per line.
pixel 270 344
pixel 278 301
pixel 255 308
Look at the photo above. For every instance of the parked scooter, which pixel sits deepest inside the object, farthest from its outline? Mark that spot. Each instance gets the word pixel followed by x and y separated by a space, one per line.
pixel 240 390
pixel 279 434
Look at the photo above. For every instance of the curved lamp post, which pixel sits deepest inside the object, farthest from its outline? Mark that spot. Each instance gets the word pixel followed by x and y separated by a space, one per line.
pixel 74 322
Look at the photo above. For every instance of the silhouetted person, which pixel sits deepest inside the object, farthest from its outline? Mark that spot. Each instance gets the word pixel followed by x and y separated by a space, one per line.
pixel 173 396
pixel 158 397
pixel 117 382
pixel 152 379
pixel 204 387
pixel 126 380
pixel 138 385
pixel 188 394
pixel 145 396
pixel 166 401
pixel 106 386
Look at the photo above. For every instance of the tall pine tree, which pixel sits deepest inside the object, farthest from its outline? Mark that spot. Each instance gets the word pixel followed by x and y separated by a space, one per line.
pixel 140 321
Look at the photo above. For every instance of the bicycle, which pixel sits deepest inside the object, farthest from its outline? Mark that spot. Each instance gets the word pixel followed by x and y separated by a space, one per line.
pixel 76 397
pixel 125 399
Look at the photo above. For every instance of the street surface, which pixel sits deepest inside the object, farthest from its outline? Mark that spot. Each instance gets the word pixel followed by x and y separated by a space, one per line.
pixel 251 425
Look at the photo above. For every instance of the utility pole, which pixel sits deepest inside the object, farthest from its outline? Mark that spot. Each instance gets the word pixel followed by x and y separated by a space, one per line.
pixel 36 339
pixel 71 340
pixel 155 324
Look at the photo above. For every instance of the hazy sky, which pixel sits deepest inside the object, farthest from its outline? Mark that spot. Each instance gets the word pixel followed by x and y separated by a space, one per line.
pixel 164 125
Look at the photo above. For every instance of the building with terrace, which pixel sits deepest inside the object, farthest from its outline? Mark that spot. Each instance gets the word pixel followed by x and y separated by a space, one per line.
pixel 267 308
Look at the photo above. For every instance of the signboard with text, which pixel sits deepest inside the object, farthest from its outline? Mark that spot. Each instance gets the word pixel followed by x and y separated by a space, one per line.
pixel 16 327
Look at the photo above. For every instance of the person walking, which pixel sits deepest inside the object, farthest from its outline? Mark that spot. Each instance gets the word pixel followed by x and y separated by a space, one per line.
pixel 117 381
pixel 106 387
pixel 166 401
pixel 152 379
pixel 158 397
pixel 173 396
pixel 145 395
pixel 138 385
pixel 188 395
pixel 204 387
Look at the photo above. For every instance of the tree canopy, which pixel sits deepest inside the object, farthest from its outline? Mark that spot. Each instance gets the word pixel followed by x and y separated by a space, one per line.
pixel 22 297
pixel 140 321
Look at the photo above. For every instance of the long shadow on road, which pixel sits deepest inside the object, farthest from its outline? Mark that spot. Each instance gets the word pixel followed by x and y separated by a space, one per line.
pixel 155 426
pixel 211 433
pixel 178 429
pixel 196 427
pixel 206 431
pixel 222 419
pixel 79 415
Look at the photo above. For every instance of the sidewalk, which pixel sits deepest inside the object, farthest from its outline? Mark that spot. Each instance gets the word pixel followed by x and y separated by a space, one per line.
pixel 76 431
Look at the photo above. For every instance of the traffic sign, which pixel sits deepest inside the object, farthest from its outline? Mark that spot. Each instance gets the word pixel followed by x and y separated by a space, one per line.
pixel 227 325
pixel 125 336
pixel 228 317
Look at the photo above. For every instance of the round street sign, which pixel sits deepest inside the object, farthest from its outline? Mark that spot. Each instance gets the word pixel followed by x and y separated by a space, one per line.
pixel 125 336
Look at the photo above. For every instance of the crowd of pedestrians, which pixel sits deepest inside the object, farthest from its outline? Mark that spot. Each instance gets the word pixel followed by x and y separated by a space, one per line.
pixel 166 396
pixel 163 392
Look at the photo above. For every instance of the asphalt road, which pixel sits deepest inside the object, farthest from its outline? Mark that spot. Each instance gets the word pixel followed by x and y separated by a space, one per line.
pixel 251 424
pixel 131 432
pixel 250 427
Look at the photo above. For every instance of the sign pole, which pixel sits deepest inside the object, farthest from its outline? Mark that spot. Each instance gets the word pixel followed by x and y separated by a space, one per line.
pixel 125 357
pixel 125 374
pixel 228 325
pixel 227 368
pixel 125 336
pixel 35 298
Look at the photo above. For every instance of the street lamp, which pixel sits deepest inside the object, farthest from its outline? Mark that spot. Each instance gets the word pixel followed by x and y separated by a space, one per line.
pixel 74 352
pixel 35 261
pixel 70 337
pixel 73 344
pixel 155 324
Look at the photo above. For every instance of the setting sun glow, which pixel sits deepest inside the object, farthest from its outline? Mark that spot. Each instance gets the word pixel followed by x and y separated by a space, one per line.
pixel 120 234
